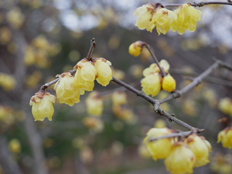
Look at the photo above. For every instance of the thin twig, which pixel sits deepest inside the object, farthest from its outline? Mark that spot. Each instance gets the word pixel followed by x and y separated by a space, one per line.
pixel 155 59
pixel 200 4
pixel 92 46
pixel 179 134
pixel 132 89
pixel 194 83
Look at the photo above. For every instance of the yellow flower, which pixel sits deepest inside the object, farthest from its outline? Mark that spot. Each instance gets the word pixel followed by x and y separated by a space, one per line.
pixel 66 91
pixel 169 83
pixel 119 98
pixel 93 123
pixel 104 72
pixel 153 68
pixel 42 106
pixel 162 20
pixel 118 74
pixel 145 13
pixel 136 48
pixel 199 148
pixel 124 114
pixel 14 146
pixel 85 75
pixel 94 104
pixel 180 160
pixel 225 105
pixel 187 16
pixel 7 82
pixel 151 84
pixel 225 136
pixel 161 148
pixel 15 17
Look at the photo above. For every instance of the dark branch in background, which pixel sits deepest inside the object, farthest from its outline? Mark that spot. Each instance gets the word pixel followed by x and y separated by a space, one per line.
pixel 154 57
pixel 200 4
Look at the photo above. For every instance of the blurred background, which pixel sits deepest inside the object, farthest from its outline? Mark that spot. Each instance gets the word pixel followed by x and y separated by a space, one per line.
pixel 42 38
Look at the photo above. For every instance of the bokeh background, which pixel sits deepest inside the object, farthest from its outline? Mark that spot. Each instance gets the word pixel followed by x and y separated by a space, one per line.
pixel 42 38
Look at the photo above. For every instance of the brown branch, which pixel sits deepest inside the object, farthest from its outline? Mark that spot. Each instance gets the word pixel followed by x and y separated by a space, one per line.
pixel 155 58
pixel 92 46
pixel 194 83
pixel 200 4
pixel 179 134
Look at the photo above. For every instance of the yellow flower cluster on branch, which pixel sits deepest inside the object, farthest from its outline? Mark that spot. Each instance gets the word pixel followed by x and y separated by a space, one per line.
pixel 153 82
pixel 69 87
pixel 180 156
pixel 181 19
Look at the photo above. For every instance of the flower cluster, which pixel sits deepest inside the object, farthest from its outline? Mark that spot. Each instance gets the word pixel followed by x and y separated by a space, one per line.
pixel 153 82
pixel 69 87
pixel 225 136
pixel 181 19
pixel 180 156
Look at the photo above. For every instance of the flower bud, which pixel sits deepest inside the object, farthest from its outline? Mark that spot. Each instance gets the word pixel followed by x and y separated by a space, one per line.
pixel 180 160
pixel 136 48
pixel 199 148
pixel 94 104
pixel 225 136
pixel 66 91
pixel 161 148
pixel 169 83
pixel 104 72
pixel 119 98
pixel 151 84
pixel 42 105
pixel 225 105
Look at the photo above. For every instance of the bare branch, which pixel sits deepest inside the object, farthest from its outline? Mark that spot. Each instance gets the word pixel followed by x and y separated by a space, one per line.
pixel 92 46
pixel 179 134
pixel 200 4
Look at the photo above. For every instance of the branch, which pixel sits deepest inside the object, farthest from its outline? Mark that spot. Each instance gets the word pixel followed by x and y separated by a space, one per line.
pixel 179 134
pixel 92 46
pixel 200 4
pixel 132 89
pixel 155 59
pixel 194 83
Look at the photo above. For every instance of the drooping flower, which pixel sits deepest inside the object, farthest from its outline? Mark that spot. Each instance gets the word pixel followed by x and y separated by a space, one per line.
pixel 104 72
pixel 151 84
pixel 66 91
pixel 162 19
pixel 225 136
pixel 145 13
pixel 161 148
pixel 180 160
pixel 169 83
pixel 42 106
pixel 85 75
pixel 94 104
pixel 199 148
pixel 187 16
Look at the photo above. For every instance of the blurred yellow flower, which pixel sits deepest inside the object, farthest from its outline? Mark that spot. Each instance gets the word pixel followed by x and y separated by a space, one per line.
pixel 169 83
pixel 119 98
pixel 225 136
pixel 94 104
pixel 14 146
